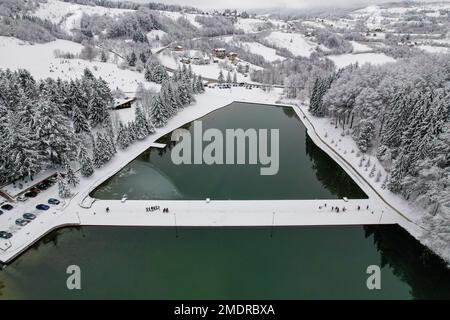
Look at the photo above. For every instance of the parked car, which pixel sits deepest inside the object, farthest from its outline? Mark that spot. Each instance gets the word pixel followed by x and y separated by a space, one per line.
pixel 22 198
pixel 53 201
pixel 35 190
pixel 29 216
pixel 1 212
pixel 52 179
pixel 22 222
pixel 30 194
pixel 5 235
pixel 42 207
pixel 43 186
pixel 7 206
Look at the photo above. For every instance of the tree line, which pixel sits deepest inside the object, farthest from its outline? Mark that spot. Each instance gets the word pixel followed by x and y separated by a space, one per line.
pixel 400 113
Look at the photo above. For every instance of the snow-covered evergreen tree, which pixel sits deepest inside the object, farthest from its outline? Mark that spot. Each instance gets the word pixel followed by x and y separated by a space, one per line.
pixel 229 77
pixel 71 177
pixel 63 188
pixel 85 161
pixel 80 124
pixel 54 132
pixel 221 79
pixel 159 112
pixel 123 137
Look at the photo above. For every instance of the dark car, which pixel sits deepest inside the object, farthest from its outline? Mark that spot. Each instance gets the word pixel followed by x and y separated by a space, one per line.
pixel 7 207
pixel 29 216
pixel 5 235
pixel 31 194
pixel 1 212
pixel 53 201
pixel 35 190
pixel 43 186
pixel 42 207
pixel 22 222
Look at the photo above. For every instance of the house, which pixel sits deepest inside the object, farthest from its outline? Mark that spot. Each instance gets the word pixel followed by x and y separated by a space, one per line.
pixel 185 60
pixel 123 103
pixel 232 56
pixel 219 53
pixel 200 58
pixel 178 48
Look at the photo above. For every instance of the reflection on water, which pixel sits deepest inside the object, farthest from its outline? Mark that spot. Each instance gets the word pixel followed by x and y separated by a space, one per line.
pixel 426 273
pixel 226 263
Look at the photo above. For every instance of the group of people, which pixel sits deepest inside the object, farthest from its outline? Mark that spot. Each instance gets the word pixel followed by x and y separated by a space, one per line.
pixel 337 209
pixel 154 208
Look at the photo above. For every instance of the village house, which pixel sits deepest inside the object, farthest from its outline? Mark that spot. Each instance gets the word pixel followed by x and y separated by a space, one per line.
pixel 219 53
pixel 124 103
pixel 232 56
pixel 178 48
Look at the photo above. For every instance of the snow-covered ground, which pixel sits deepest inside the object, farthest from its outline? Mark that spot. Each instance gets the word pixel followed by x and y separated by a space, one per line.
pixel 68 15
pixel 434 49
pixel 40 61
pixel 296 43
pixel 174 15
pixel 269 54
pixel 360 47
pixel 154 34
pixel 249 25
pixel 344 60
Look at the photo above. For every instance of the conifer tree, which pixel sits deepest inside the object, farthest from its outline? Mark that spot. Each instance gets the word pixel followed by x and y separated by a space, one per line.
pixel 63 188
pixel 86 163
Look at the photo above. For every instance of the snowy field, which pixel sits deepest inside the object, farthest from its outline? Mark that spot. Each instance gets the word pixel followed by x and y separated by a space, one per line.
pixel 176 15
pixel 40 61
pixel 269 54
pixel 360 47
pixel 294 42
pixel 249 25
pixel 68 15
pixel 344 60
pixel 434 49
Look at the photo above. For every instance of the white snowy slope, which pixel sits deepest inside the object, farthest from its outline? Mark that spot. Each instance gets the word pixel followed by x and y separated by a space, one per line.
pixel 296 43
pixel 344 60
pixel 68 15
pixel 176 15
pixel 269 54
pixel 40 61
pixel 249 25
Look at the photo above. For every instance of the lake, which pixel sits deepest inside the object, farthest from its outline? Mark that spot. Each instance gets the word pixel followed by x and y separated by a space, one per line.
pixel 305 171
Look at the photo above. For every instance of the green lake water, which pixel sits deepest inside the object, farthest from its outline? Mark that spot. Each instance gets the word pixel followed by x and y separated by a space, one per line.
pixel 305 171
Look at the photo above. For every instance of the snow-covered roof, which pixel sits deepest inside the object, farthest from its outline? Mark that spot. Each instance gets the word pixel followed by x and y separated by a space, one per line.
pixel 121 101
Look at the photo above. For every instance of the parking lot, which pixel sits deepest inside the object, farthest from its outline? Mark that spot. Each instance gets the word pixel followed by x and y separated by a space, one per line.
pixel 28 207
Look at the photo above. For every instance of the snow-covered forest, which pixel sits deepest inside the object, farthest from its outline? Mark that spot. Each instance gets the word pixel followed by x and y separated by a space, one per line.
pixel 400 113
pixel 59 124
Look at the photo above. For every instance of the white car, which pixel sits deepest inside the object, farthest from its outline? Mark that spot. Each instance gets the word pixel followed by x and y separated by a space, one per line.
pixel 22 198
